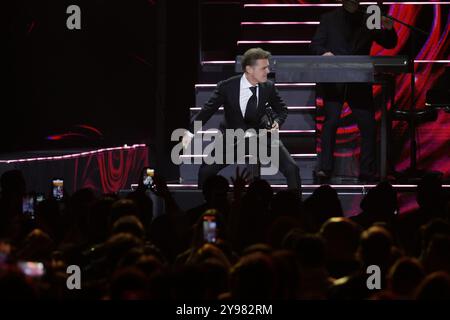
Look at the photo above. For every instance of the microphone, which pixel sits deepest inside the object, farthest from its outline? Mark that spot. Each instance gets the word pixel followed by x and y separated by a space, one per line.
pixel 269 114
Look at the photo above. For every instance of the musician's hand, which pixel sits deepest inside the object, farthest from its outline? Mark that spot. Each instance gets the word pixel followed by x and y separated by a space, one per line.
pixel 275 126
pixel 328 54
pixel 388 23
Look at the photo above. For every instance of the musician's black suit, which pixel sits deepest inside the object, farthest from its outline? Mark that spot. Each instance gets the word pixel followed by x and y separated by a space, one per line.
pixel 344 33
pixel 227 94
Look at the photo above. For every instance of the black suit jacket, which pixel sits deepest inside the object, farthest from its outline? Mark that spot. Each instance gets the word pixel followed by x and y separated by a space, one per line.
pixel 344 33
pixel 227 94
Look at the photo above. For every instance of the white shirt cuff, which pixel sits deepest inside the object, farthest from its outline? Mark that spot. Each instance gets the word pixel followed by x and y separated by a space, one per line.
pixel 190 134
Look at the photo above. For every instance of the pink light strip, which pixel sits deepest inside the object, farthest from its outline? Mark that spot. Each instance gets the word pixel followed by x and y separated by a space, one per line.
pixel 280 23
pixel 297 131
pixel 74 155
pixel 193 156
pixel 273 41
pixel 205 85
pixel 302 108
pixel 292 5
pixel 306 84
pixel 218 62
pixel 432 61
pixel 338 5
pixel 295 155
pixel 412 2
pixel 304 155
pixel 233 62
pixel 214 131
pixel 289 108
pixel 335 186
pixel 405 2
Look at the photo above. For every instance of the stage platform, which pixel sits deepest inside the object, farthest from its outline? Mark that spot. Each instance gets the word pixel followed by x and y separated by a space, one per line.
pixel 350 195
pixel 105 170
pixel 117 170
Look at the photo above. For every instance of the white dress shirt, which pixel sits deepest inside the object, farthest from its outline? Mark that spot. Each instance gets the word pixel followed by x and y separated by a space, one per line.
pixel 244 95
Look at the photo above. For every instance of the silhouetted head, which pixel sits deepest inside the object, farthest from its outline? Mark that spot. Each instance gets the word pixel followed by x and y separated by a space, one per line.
pixel 99 218
pixel 189 283
pixel 341 237
pixel 260 189
pixel 37 246
pixel 350 5
pixel 435 286
pixel 211 251
pixel 129 224
pixel 405 276
pixel 129 284
pixel 15 286
pixel 287 273
pixel 121 208
pixel 430 194
pixel 323 204
pixel 257 248
pixel 144 205
pixel 119 245
pixel 215 189
pixel 433 228
pixel 253 277
pixel 380 201
pixel 437 254
pixel 285 203
pixel 310 250
pixel 375 247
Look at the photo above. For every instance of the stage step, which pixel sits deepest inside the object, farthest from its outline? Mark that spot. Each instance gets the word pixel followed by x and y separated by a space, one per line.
pixel 215 71
pixel 285 12
pixel 296 141
pixel 350 200
pixel 293 94
pixel 254 30
pixel 300 118
pixel 306 163
pixel 277 47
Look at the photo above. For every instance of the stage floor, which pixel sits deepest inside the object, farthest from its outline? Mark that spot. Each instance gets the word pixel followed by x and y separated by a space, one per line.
pixel 117 170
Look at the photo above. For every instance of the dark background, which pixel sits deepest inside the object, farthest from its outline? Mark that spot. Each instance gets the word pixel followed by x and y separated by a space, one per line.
pixel 107 75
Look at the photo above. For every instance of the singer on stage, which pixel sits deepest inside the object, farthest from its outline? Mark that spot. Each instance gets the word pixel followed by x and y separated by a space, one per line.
pixel 244 98
pixel 343 31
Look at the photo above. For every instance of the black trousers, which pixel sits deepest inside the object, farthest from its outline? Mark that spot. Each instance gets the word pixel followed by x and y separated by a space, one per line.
pixel 287 166
pixel 359 97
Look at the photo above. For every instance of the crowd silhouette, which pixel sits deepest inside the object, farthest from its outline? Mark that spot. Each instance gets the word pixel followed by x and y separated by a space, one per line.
pixel 266 245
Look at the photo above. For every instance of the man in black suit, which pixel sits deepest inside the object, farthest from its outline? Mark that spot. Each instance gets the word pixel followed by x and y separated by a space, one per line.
pixel 245 98
pixel 344 32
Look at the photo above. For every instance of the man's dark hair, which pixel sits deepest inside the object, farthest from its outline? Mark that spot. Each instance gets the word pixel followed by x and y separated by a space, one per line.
pixel 251 55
